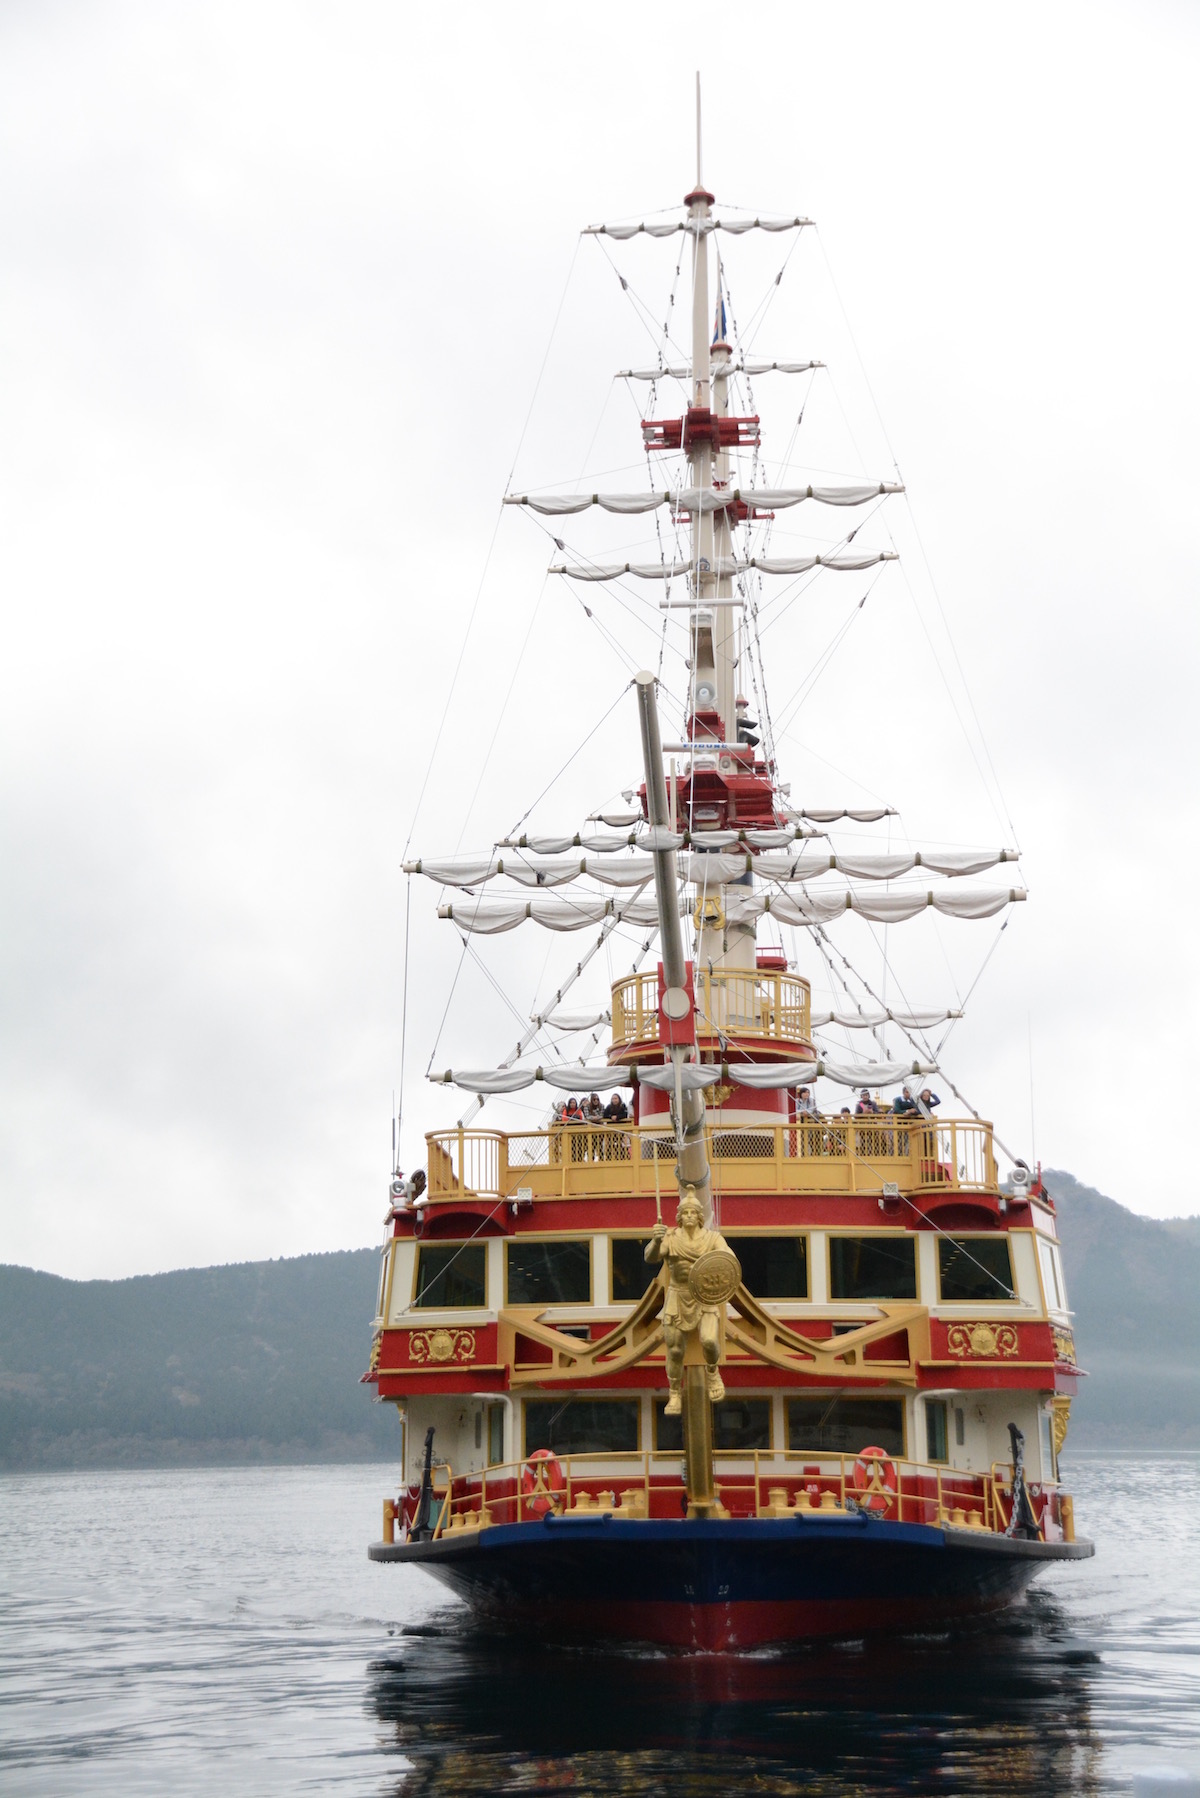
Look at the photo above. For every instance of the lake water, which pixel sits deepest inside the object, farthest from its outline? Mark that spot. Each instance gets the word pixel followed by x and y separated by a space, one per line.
pixel 222 1632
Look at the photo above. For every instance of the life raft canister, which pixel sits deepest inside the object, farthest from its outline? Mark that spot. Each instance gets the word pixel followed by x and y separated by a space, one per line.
pixel 875 1477
pixel 542 1479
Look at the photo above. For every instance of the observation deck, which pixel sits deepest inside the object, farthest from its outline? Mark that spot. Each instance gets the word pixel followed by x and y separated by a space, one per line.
pixel 764 1006
pixel 940 1159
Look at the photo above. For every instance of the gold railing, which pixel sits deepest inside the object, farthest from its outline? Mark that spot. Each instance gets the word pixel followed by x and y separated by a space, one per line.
pixel 582 1161
pixel 751 1483
pixel 764 1004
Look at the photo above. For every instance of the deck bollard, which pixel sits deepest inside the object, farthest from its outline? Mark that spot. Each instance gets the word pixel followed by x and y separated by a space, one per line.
pixel 389 1521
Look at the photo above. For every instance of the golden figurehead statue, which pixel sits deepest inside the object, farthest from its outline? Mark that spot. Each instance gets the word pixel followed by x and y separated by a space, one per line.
pixel 704 1273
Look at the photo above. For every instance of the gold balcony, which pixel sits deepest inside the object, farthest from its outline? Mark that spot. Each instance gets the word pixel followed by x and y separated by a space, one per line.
pixel 761 1004
pixel 585 1161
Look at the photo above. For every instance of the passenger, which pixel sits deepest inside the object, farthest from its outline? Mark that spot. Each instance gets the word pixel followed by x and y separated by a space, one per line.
pixel 593 1110
pixel 866 1107
pixel 573 1114
pixel 556 1111
pixel 806 1105
pixel 906 1106
pixel 616 1111
pixel 929 1101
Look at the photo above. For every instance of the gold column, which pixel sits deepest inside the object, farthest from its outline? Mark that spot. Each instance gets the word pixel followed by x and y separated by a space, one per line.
pixel 697 1445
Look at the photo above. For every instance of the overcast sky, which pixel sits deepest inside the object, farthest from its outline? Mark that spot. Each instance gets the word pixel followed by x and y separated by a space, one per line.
pixel 277 287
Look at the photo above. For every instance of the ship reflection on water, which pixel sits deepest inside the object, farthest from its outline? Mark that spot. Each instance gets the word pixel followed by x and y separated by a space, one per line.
pixel 1003 1707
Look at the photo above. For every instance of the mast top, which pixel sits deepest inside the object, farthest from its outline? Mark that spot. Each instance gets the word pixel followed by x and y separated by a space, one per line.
pixel 699 194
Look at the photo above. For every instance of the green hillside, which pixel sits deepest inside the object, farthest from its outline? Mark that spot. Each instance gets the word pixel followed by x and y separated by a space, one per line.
pixel 256 1362
pixel 261 1361
pixel 1134 1283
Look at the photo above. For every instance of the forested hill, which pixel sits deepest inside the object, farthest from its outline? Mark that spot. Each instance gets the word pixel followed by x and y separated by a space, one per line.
pixel 258 1361
pixel 1134 1284
pixel 261 1361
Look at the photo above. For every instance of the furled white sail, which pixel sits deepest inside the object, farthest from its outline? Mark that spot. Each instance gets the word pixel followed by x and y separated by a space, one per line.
pixel 683 370
pixel 694 227
pixel 658 837
pixel 844 562
pixel 692 1077
pixel 871 1020
pixel 707 868
pixel 490 917
pixel 703 499
pixel 571 1020
pixel 879 908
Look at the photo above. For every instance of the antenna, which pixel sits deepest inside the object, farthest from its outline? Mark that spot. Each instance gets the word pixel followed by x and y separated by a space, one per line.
pixel 699 171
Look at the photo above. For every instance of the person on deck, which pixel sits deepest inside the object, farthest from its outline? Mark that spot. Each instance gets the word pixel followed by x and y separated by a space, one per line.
pixel 806 1105
pixel 929 1100
pixel 866 1107
pixel 906 1105
pixel 573 1114
pixel 593 1110
pixel 616 1111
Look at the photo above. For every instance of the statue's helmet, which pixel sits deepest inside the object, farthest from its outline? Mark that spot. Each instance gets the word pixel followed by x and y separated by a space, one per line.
pixel 689 1202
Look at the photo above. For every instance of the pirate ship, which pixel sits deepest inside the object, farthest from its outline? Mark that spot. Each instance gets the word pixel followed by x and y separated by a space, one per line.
pixel 721 1366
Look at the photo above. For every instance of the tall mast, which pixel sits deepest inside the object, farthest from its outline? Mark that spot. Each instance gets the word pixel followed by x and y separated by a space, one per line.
pixel 713 650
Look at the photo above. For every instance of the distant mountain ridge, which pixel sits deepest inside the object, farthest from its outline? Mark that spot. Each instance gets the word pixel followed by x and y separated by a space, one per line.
pixel 260 1361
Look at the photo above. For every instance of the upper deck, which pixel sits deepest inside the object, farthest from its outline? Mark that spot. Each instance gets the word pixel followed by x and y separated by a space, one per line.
pixel 585 1161
pixel 765 1006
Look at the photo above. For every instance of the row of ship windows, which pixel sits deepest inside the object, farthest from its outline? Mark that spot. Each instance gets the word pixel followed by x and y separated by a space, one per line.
pixel 971 1270
pixel 821 1423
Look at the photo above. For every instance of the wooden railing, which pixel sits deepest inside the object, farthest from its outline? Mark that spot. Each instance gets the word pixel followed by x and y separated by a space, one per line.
pixel 578 1161
pixel 758 1483
pixel 762 1004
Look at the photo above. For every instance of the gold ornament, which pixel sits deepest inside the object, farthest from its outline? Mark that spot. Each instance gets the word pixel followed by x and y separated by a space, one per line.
pixel 1060 1420
pixel 1064 1346
pixel 441 1345
pixel 982 1340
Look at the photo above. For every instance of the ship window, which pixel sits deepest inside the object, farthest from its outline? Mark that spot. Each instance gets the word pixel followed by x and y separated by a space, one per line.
pixel 773 1267
pixel 550 1273
pixel 582 1426
pixel 977 1269
pixel 873 1267
pixel 960 1427
pixel 842 1426
pixel 737 1423
pixel 1052 1280
pixel 495 1435
pixel 631 1273
pixel 451 1276
pixel 935 1430
pixel 384 1263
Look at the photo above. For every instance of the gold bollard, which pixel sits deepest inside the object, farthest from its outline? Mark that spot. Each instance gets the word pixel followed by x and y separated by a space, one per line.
pixel 1066 1512
pixel 389 1521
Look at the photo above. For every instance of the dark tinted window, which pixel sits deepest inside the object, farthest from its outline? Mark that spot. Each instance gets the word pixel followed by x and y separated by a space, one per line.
pixel 773 1267
pixel 451 1275
pixel 935 1430
pixel 630 1273
pixel 738 1423
pixel 549 1273
pixel 842 1426
pixel 974 1268
pixel 581 1426
pixel 872 1267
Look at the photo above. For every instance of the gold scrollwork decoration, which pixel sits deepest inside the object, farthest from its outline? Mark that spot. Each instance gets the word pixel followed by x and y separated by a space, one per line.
pixel 983 1340
pixel 1060 1419
pixel 376 1345
pixel 441 1345
pixel 1064 1346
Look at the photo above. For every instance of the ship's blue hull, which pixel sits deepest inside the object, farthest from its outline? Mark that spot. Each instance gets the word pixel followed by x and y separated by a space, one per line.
pixel 723 1584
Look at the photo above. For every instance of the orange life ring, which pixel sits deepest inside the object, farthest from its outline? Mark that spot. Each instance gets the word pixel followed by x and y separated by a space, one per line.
pixel 542 1479
pixel 875 1476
